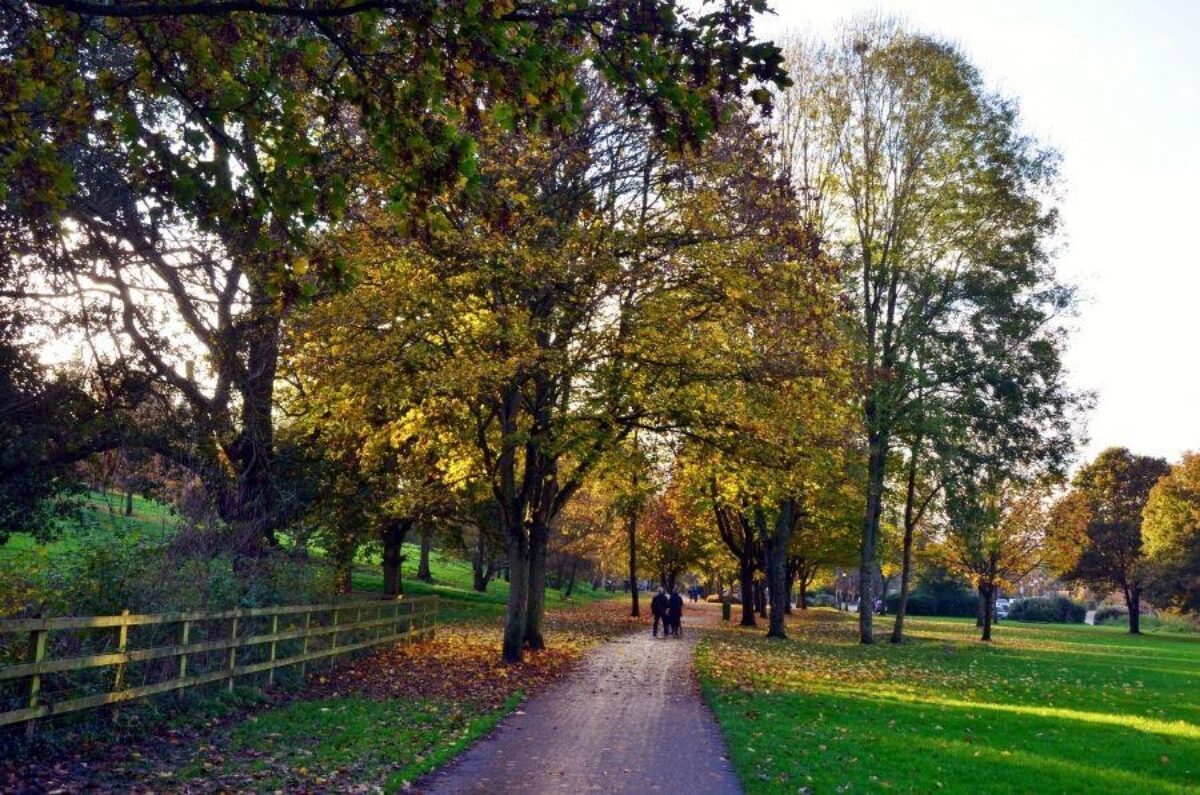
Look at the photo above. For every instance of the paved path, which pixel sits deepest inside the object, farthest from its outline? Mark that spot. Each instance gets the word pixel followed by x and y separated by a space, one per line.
pixel 629 719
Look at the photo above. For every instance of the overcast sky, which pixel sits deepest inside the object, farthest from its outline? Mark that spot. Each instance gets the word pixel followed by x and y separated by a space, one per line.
pixel 1115 87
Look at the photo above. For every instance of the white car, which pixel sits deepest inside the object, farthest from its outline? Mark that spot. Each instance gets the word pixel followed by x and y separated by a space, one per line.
pixel 1002 606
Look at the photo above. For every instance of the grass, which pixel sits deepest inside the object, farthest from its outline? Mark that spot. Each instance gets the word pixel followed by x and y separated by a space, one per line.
pixel 1044 708
pixel 98 512
pixel 350 741
pixel 453 581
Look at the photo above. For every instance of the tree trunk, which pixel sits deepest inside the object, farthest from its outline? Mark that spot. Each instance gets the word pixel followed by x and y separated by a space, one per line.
pixel 536 602
pixel 791 584
pixel 986 593
pixel 1133 602
pixel 252 513
pixel 631 530
pixel 423 572
pixel 876 471
pixel 906 558
pixel 393 540
pixel 571 581
pixel 747 578
pixel 911 517
pixel 518 594
pixel 477 564
pixel 775 547
pixel 129 503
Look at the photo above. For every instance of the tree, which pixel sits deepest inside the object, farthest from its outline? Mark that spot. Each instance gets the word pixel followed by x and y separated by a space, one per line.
pixel 919 496
pixel 1171 534
pixel 1098 529
pixel 922 179
pixel 179 169
pixel 995 532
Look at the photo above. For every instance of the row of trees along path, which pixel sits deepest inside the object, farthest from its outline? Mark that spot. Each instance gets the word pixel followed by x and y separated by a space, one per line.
pixel 630 719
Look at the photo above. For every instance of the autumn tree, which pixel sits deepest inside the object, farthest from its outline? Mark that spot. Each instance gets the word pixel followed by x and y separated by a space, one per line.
pixel 922 180
pixel 770 414
pixel 177 170
pixel 1098 532
pixel 1171 534
pixel 995 531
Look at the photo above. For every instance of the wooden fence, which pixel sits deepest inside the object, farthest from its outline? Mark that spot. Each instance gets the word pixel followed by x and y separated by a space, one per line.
pixel 232 643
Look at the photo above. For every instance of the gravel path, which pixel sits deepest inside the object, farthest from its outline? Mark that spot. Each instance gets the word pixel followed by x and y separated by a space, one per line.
pixel 630 719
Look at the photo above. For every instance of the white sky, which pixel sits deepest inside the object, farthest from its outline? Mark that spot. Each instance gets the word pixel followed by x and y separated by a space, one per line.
pixel 1115 87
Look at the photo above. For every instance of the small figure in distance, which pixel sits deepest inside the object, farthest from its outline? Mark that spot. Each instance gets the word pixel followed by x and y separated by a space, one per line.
pixel 674 612
pixel 658 606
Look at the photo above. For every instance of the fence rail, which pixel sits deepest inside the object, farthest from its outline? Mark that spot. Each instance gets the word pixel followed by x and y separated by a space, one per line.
pixel 374 622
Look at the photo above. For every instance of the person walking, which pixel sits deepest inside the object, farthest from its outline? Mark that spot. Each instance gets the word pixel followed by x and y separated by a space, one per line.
pixel 674 612
pixel 658 607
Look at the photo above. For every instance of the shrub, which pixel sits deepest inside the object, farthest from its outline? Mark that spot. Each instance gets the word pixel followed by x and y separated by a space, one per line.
pixel 923 603
pixel 1054 610
pixel 1111 615
pixel 821 600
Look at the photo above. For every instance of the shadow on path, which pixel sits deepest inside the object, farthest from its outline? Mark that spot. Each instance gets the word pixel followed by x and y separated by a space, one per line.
pixel 630 719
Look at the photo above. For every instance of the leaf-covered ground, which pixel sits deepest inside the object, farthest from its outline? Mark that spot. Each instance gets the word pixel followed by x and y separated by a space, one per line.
pixel 1042 709
pixel 368 725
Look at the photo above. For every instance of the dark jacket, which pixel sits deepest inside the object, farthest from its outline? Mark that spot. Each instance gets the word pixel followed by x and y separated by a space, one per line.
pixel 675 605
pixel 658 605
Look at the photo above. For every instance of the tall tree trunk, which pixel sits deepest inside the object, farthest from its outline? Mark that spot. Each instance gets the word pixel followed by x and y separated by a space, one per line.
pixel 986 594
pixel 538 538
pixel 1133 602
pixel 803 582
pixel 791 584
pixel 775 547
pixel 129 503
pixel 424 574
pixel 252 513
pixel 518 593
pixel 747 578
pixel 876 471
pixel 910 498
pixel 631 531
pixel 393 540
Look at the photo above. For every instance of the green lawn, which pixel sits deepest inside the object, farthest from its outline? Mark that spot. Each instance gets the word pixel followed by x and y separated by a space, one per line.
pixel 1042 709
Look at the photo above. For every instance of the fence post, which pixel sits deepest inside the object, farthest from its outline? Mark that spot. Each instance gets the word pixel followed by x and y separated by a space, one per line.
pixel 304 647
pixel 185 633
pixel 37 653
pixel 122 642
pixel 274 630
pixel 333 637
pixel 233 628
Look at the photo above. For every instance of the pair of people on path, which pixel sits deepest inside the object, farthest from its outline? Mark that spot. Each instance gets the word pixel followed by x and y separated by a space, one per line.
pixel 668 610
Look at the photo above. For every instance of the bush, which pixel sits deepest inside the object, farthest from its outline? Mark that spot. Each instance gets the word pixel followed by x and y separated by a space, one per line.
pixel 1112 615
pixel 821 600
pixel 923 603
pixel 1055 610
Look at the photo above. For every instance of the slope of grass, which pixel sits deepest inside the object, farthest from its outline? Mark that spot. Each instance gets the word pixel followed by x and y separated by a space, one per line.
pixel 1041 709
pixel 97 512
pixel 453 582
